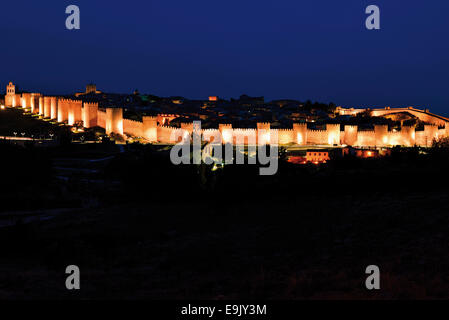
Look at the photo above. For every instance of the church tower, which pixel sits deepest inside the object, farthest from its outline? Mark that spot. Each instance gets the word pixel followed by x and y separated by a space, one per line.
pixel 10 89
pixel 10 95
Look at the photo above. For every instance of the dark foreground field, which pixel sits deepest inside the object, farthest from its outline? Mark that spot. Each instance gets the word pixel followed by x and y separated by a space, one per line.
pixel 142 228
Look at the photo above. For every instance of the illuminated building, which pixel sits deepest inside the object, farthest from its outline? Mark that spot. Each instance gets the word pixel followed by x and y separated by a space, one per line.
pixel 317 156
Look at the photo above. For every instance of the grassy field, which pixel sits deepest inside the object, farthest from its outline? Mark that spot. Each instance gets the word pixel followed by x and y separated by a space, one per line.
pixel 14 120
pixel 293 250
pixel 140 227
pixel 182 233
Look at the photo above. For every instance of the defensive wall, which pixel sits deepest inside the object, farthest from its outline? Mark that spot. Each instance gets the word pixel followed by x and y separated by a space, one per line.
pixel 157 129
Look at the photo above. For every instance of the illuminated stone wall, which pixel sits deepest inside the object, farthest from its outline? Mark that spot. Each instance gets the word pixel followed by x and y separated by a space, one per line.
pixel 316 137
pixel 101 120
pixel 47 107
pixel 150 128
pixel 423 115
pixel 41 106
pixel 54 108
pixel 90 114
pixel 350 135
pixel 63 110
pixel 34 102
pixel 286 136
pixel 26 100
pixel 163 134
pixel 300 134
pixel 75 111
pixel 114 121
pixel 212 135
pixel 133 128
pixel 156 128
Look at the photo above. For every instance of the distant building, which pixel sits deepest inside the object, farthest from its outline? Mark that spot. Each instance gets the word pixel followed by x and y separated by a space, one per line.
pixel 317 156
pixel 248 101
pixel 12 99
pixel 365 153
pixel 297 160
pixel 90 89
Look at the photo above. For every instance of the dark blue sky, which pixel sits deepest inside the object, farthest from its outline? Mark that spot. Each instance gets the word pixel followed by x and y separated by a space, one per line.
pixel 315 49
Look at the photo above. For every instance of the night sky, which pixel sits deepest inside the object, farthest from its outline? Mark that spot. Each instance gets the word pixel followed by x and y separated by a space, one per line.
pixel 315 49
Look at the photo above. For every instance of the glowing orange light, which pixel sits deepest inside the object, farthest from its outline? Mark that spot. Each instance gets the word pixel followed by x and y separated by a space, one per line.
pixel 227 136
pixel 266 138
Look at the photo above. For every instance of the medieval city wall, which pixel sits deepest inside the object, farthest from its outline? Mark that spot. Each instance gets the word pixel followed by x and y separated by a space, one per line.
pixel 90 114
pixel 47 107
pixel 54 108
pixel 155 128
pixel 366 138
pixel 165 134
pixel 286 136
pixel 63 110
pixel 133 127
pixel 316 136
pixel 101 118
pixel 242 136
pixel 212 135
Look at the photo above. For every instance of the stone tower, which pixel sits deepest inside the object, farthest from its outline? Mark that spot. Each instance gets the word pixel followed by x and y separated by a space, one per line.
pixel 91 88
pixel 300 133
pixel 90 112
pixel 351 135
pixel 10 98
pixel 114 121
pixel 10 89
pixel 150 128
pixel 333 134
pixel 381 134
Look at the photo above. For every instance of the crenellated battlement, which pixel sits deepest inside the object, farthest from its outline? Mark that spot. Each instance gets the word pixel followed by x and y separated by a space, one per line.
pixel 91 104
pixel 209 130
pixel 312 131
pixel 157 128
pixel 244 130
pixel 287 130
